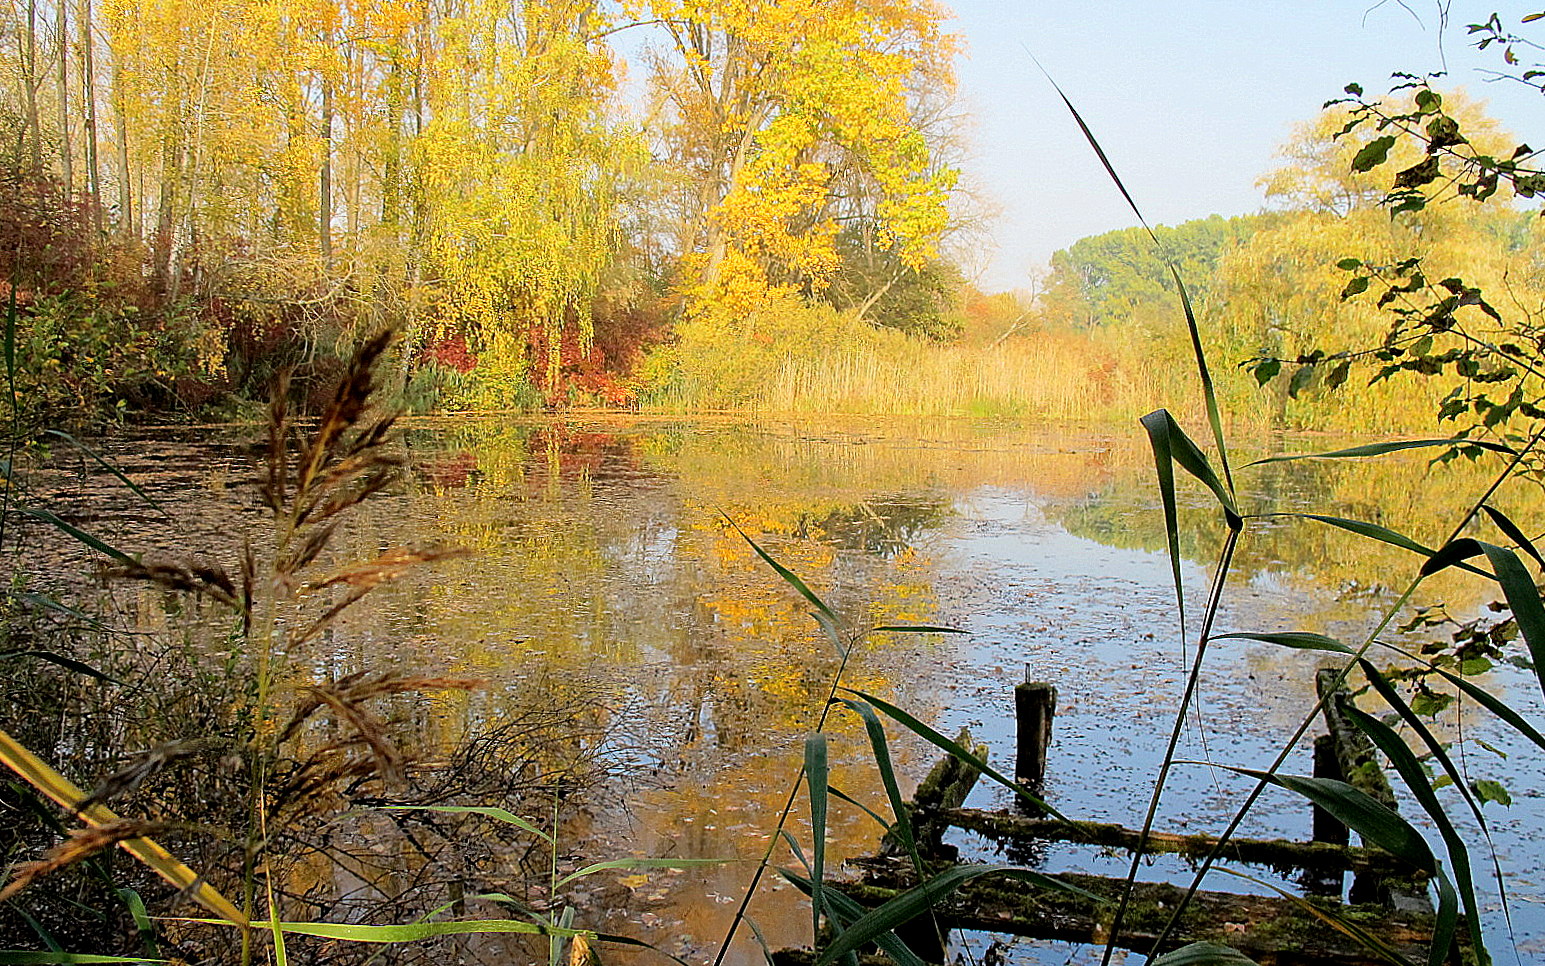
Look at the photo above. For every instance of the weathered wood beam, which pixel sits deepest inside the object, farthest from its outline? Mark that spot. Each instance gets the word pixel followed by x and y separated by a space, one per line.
pixel 1282 855
pixel 1270 930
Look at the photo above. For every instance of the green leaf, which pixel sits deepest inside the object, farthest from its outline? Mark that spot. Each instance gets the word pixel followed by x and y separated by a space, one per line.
pixel 961 754
pixel 1204 954
pixel 1266 370
pixel 917 629
pixel 1350 264
pixel 815 777
pixel 1300 640
pixel 1512 531
pixel 1356 285
pixel 1380 449
pixel 788 575
pixel 1492 791
pixel 82 536
pixel 640 864
pixel 110 468
pixel 68 663
pixel 1495 705
pixel 847 911
pixel 882 759
pixel 1373 154
pixel 920 898
pixel 487 811
pixel 1523 598
pixel 1376 823
pixel 1399 755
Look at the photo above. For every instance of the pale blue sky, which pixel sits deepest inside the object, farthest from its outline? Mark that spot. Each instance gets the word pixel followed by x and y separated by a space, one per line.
pixel 1190 99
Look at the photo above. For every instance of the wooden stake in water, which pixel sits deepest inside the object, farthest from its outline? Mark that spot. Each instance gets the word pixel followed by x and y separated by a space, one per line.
pixel 1035 703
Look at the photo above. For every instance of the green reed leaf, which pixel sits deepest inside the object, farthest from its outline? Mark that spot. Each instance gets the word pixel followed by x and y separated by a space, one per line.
pixel 917 629
pixel 487 811
pixel 846 911
pixel 640 864
pixel 1375 822
pixel 1399 755
pixel 1380 449
pixel 1523 598
pixel 920 898
pixel 882 760
pixel 68 663
pixel 1299 640
pixel 109 467
pixel 53 520
pixel 815 776
pixel 789 577
pixel 1512 531
pixel 1495 705
pixel 1204 954
pixel 954 749
pixel 18 957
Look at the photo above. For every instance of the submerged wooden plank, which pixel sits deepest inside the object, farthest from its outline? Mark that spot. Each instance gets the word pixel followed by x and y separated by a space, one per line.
pixel 1282 855
pixel 1271 930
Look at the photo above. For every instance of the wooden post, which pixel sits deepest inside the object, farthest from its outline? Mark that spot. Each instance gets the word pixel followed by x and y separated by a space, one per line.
pixel 1035 703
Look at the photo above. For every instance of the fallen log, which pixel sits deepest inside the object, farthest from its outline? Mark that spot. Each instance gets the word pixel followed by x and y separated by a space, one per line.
pixel 1272 931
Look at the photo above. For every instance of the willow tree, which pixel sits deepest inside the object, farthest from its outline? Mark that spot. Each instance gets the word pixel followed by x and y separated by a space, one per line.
pixel 790 118
pixel 519 167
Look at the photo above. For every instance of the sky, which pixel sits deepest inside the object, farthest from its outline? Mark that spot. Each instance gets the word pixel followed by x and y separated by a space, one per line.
pixel 1189 98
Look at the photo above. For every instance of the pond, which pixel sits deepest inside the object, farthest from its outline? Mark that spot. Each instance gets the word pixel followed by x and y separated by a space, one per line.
pixel 607 564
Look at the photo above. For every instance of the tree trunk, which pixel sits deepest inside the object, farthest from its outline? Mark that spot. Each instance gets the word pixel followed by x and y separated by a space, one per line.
pixel 325 199
pixel 30 89
pixel 88 87
pixel 66 149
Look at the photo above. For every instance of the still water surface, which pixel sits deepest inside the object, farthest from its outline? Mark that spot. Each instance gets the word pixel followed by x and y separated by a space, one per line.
pixel 606 562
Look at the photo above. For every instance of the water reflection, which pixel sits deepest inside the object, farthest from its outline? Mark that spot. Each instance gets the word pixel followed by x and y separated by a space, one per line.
pixel 608 573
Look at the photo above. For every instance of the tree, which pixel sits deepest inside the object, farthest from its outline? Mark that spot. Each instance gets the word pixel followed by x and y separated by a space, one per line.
pixel 1403 265
pixel 789 119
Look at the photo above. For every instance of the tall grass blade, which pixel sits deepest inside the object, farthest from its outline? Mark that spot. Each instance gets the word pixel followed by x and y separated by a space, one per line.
pixel 1496 706
pixel 917 629
pixel 1204 954
pixel 45 602
pixel 882 760
pixel 1513 533
pixel 1343 925
pixel 109 467
pixel 142 921
pixel 832 632
pixel 1209 395
pixel 847 911
pixel 961 754
pixel 68 663
pixel 1298 640
pixel 1159 441
pixel 788 575
pixel 1384 737
pixel 67 794
pixel 1190 457
pixel 920 898
pixel 640 864
pixel 487 811
pixel 1375 822
pixel 815 776
pixel 52 519
pixel 1523 598
pixel 1380 449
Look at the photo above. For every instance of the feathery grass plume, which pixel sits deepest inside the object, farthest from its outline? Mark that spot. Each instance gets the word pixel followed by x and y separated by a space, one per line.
pixel 195 577
pixel 144 765
pixel 342 414
pixel 82 844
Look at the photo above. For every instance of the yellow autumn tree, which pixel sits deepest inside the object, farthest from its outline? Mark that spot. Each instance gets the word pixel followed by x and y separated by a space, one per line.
pixel 786 118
